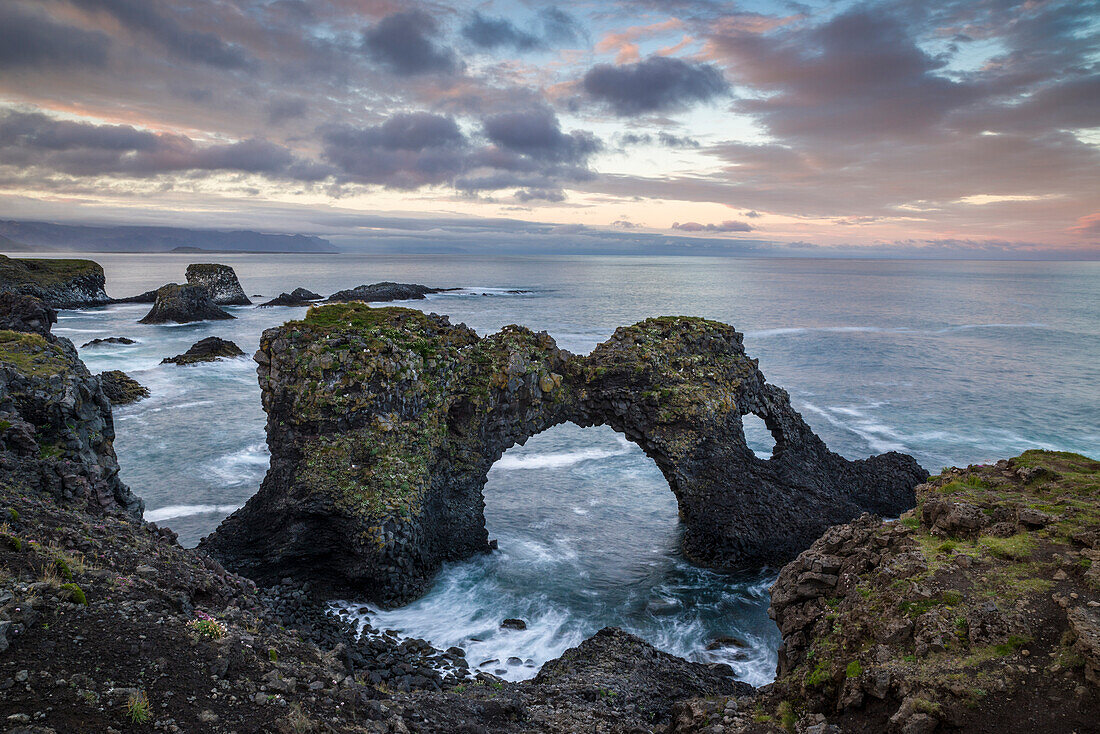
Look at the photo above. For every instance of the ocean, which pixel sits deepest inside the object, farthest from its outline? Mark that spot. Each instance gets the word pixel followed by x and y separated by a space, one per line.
pixel 953 362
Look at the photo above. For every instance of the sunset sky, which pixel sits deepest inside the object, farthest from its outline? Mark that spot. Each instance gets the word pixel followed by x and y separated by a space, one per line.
pixel 877 128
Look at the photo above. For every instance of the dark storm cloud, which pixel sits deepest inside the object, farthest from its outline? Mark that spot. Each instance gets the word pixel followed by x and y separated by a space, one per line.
pixel 537 133
pixel 405 152
pixel 662 138
pixel 659 83
pixel 726 226
pixel 551 195
pixel 405 43
pixel 152 18
pixel 487 32
pixel 281 110
pixel 32 40
pixel 36 141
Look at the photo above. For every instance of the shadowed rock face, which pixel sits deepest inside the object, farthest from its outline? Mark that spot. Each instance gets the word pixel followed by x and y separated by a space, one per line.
pixel 183 304
pixel 220 281
pixel 383 424
pixel 59 283
pixel 209 349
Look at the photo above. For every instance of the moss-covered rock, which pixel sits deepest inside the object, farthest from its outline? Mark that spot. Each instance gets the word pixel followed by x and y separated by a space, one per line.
pixel 183 304
pixel 220 282
pixel 59 283
pixel 209 349
pixel 122 389
pixel 383 424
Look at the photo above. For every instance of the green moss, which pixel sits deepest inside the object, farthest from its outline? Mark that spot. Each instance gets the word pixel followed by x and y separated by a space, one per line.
pixel 76 594
pixel 31 354
pixel 13 514
pixel 1017 547
pixel 63 569
pixel 44 273
pixel 1011 645
pixel 787 715
pixel 854 669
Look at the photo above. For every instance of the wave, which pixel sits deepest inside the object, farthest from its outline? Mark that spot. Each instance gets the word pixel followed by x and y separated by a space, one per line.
pixel 788 330
pixel 242 466
pixel 556 460
pixel 173 511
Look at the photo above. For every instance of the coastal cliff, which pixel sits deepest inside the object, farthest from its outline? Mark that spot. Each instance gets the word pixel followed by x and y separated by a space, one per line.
pixel 384 422
pixel 58 283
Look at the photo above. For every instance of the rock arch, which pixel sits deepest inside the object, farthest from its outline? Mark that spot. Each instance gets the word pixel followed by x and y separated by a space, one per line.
pixel 384 422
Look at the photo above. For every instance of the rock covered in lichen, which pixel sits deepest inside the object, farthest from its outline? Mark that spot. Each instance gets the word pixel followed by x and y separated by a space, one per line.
pixel 58 283
pixel 383 292
pixel 183 304
pixel 210 349
pixel 220 281
pixel 56 428
pixel 383 424
pixel 121 389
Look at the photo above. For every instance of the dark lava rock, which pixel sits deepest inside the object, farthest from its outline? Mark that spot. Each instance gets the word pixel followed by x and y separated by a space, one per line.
pixel 183 304
pixel 146 297
pixel 383 423
pixel 206 350
pixel 385 291
pixel 56 428
pixel 297 297
pixel 26 313
pixel 59 283
pixel 513 624
pixel 220 281
pixel 108 340
pixel 122 389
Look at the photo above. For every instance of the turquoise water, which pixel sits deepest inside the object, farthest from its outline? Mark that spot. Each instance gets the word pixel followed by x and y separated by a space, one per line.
pixel 954 362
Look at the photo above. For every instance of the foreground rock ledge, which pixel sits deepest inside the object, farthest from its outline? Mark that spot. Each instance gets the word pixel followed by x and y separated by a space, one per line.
pixel 383 424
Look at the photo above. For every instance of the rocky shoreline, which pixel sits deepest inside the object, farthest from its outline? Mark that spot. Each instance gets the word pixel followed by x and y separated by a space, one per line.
pixel 976 611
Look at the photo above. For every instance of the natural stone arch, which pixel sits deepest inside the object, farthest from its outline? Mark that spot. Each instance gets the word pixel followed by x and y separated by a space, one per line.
pixel 383 425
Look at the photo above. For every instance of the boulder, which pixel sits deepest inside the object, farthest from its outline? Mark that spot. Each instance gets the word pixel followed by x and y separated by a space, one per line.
pixel 108 340
pixel 220 281
pixel 59 283
pixel 122 389
pixel 297 297
pixel 385 291
pixel 383 424
pixel 209 349
pixel 183 304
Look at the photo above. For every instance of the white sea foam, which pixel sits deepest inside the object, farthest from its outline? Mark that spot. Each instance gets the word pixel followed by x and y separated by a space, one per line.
pixel 242 466
pixel 510 462
pixel 173 511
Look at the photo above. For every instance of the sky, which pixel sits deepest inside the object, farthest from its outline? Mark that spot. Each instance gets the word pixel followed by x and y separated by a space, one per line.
pixel 904 127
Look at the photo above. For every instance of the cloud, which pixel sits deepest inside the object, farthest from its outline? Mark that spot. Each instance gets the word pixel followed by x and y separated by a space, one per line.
pixel 405 44
pixel 537 133
pixel 551 195
pixel 407 151
pixel 33 141
pixel 663 138
pixel 33 40
pixel 656 84
pixel 1088 225
pixel 290 108
pixel 149 16
pixel 727 226
pixel 486 32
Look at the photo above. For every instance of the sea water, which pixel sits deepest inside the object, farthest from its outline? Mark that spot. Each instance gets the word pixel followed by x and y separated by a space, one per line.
pixel 953 362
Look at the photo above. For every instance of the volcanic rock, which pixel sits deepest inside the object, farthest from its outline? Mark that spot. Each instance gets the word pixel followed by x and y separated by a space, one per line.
pixel 122 389
pixel 383 424
pixel 26 313
pixel 183 304
pixel 297 297
pixel 108 340
pixel 220 281
pixel 59 283
pixel 209 349
pixel 385 291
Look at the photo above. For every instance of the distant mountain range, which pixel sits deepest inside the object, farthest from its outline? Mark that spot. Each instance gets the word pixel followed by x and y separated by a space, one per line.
pixel 49 237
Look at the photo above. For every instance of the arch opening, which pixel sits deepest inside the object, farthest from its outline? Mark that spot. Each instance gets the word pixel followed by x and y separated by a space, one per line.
pixel 758 437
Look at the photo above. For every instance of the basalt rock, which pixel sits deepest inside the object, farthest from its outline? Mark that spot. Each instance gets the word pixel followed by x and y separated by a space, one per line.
pixel 58 283
pixel 146 297
pixel 183 304
pixel 122 389
pixel 383 424
pixel 109 340
pixel 209 349
pixel 26 313
pixel 220 281
pixel 385 291
pixel 297 297
pixel 56 428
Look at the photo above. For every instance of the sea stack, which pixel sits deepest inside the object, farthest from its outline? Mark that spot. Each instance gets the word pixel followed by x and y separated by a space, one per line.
pixel 220 281
pixel 183 304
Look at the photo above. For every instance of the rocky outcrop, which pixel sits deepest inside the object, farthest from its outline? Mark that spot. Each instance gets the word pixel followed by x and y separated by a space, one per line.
pixel 121 389
pixel 947 620
pixel 183 304
pixel 220 281
pixel 383 424
pixel 26 313
pixel 58 283
pixel 109 340
pixel 384 292
pixel 209 349
pixel 297 297
pixel 146 297
pixel 56 429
